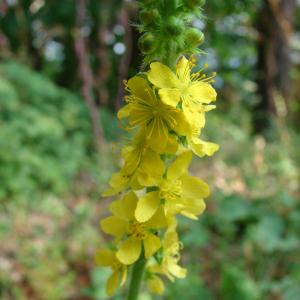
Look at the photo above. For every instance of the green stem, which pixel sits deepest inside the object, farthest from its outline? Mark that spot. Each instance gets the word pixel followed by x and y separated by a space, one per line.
pixel 136 279
pixel 169 9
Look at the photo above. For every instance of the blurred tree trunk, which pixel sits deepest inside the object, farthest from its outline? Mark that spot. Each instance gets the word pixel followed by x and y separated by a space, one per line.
pixel 86 74
pixel 275 27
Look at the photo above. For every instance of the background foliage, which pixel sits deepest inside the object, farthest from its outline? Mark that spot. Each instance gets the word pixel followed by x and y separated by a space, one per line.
pixel 52 170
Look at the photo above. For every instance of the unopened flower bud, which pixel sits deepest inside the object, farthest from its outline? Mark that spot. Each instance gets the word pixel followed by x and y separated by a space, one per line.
pixel 194 37
pixel 174 26
pixel 149 17
pixel 148 43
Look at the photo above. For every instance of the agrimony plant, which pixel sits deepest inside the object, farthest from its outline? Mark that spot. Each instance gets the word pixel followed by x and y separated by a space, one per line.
pixel 164 112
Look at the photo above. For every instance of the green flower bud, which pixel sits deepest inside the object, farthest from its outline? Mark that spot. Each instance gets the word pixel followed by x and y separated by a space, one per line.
pixel 195 3
pixel 194 37
pixel 149 17
pixel 148 43
pixel 174 26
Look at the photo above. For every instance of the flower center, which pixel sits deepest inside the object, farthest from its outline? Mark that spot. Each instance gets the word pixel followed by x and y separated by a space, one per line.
pixel 155 112
pixel 138 230
pixel 170 190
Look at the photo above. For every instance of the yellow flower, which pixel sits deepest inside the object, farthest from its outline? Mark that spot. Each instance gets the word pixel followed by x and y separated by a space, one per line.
pixel 145 110
pixel 178 192
pixel 107 258
pixel 137 170
pixel 193 90
pixel 123 224
pixel 171 256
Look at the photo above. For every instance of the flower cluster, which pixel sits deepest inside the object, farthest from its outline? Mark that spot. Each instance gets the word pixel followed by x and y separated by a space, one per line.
pixel 165 112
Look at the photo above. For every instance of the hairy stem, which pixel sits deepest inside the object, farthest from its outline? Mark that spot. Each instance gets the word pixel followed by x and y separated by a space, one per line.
pixel 136 279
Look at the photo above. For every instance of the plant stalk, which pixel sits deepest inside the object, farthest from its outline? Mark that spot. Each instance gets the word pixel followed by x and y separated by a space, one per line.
pixel 136 279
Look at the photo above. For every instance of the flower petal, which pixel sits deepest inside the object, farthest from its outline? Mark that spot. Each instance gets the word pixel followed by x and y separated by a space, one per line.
pixel 173 207
pixel 138 87
pixel 202 148
pixel 105 257
pixel 118 183
pixel 130 251
pixel 172 145
pixel 156 285
pixel 124 208
pixel 147 174
pixel 180 165
pixel 177 271
pixel 202 92
pixel 124 112
pixel 194 115
pixel 112 283
pixel 183 69
pixel 182 126
pixel 159 219
pixel 193 187
pixel 157 135
pixel 147 206
pixel 123 275
pixel 193 208
pixel 114 226
pixel 162 76
pixel 170 96
pixel 151 244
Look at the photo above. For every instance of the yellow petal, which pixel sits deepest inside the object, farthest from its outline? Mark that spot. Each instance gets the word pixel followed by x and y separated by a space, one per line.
pixel 195 117
pixel 147 174
pixel 170 96
pixel 112 283
pixel 125 207
pixel 157 135
pixel 118 183
pixel 123 275
pixel 183 70
pixel 173 207
pixel 138 87
pixel 156 268
pixel 162 76
pixel 135 184
pixel 156 285
pixel 114 226
pixel 130 251
pixel 171 239
pixel 151 244
pixel 202 92
pixel 182 126
pixel 105 257
pixel 132 154
pixel 193 208
pixel 207 108
pixel 172 145
pixel 159 219
pixel 177 271
pixel 202 148
pixel 147 206
pixel 193 187
pixel 124 112
pixel 180 165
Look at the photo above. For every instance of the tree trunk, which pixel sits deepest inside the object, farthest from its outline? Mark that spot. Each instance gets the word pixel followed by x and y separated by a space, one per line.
pixel 275 27
pixel 86 73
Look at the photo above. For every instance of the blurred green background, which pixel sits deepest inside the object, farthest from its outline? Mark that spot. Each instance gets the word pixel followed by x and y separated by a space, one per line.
pixel 61 69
